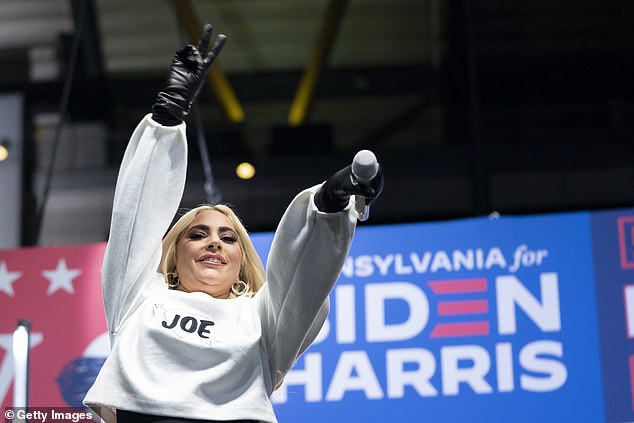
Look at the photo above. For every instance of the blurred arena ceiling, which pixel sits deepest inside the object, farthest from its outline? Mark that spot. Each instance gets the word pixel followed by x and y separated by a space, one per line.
pixel 471 106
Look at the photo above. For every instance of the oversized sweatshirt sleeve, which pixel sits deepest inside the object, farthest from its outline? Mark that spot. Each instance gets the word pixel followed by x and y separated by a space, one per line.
pixel 149 189
pixel 308 251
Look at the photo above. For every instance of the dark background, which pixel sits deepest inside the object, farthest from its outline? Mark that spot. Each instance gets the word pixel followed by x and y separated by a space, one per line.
pixel 472 107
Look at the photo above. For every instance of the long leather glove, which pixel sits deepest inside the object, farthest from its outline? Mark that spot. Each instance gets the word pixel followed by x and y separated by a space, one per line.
pixel 334 194
pixel 186 78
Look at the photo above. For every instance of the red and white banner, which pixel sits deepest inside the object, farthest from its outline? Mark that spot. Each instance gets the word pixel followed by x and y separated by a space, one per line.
pixel 58 290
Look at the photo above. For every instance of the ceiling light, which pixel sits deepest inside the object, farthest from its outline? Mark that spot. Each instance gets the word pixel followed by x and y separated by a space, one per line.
pixel 245 170
pixel 4 150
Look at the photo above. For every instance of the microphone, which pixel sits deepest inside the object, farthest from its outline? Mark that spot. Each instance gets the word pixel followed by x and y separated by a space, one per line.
pixel 364 168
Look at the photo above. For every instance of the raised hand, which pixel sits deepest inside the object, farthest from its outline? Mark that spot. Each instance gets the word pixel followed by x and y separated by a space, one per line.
pixel 187 76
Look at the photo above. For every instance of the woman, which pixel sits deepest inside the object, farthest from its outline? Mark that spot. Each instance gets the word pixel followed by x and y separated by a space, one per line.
pixel 205 337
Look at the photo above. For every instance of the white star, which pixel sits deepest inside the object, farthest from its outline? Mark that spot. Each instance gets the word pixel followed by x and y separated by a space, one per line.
pixel 61 278
pixel 7 278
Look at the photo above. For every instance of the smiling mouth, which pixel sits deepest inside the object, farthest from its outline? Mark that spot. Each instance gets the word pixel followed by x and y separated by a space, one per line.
pixel 212 260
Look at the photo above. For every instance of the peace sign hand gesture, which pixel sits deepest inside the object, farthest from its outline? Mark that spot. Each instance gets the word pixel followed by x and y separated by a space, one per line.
pixel 187 76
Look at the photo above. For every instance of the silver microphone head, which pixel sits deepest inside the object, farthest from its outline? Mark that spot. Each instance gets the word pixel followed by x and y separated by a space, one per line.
pixel 364 166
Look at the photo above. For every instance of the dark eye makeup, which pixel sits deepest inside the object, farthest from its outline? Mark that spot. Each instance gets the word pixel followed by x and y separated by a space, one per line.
pixel 201 231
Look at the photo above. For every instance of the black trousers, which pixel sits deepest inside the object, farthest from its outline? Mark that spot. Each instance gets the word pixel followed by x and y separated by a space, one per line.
pixel 124 416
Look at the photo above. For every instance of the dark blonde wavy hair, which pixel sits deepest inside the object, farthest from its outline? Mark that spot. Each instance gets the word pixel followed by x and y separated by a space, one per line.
pixel 251 267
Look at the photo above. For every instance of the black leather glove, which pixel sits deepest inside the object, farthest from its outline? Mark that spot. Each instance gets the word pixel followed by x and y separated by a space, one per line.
pixel 186 78
pixel 334 194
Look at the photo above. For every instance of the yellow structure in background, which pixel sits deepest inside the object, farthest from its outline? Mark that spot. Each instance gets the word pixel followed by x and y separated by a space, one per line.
pixel 218 80
pixel 305 93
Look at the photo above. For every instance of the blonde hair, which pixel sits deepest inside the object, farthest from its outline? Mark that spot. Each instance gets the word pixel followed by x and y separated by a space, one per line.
pixel 251 267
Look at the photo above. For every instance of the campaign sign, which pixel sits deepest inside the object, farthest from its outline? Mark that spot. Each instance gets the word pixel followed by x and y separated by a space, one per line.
pixel 472 320
pixel 58 290
pixel 612 233
pixel 463 321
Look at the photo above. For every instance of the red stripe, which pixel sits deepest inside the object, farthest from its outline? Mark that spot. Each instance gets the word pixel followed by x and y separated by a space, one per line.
pixel 626 262
pixel 631 244
pixel 443 330
pixel 448 308
pixel 458 286
pixel 632 378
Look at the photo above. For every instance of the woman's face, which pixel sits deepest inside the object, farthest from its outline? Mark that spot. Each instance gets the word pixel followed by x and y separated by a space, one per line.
pixel 208 255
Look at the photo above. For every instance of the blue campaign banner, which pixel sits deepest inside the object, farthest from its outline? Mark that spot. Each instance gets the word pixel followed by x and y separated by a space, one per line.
pixel 490 320
pixel 612 233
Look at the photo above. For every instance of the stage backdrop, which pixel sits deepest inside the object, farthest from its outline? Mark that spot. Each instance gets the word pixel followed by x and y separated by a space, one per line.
pixel 519 319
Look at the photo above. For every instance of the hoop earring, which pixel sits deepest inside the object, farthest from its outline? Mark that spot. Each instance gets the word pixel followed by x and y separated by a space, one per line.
pixel 239 288
pixel 173 281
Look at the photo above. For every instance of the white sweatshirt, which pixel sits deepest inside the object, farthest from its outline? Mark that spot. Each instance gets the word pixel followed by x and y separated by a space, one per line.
pixel 188 354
